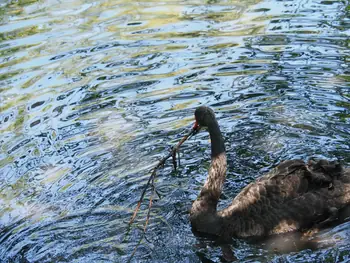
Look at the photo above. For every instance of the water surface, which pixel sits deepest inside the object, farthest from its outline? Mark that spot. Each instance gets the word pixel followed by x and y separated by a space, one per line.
pixel 94 93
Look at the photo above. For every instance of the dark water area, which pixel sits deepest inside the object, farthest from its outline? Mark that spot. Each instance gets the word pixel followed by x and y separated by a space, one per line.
pixel 94 93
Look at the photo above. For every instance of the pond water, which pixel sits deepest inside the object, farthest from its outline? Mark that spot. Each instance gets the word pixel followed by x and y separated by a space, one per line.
pixel 94 92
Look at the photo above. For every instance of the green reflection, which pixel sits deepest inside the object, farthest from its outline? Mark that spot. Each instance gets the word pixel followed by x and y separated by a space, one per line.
pixel 21 33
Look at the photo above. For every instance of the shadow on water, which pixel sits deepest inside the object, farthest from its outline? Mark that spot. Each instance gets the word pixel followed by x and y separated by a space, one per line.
pixel 94 92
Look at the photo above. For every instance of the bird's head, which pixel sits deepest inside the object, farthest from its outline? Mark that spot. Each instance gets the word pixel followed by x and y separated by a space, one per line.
pixel 204 116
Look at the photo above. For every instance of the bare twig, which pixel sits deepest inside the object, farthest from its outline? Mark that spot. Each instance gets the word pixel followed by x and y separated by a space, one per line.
pixel 174 159
pixel 153 174
pixel 151 179
pixel 150 204
pixel 134 251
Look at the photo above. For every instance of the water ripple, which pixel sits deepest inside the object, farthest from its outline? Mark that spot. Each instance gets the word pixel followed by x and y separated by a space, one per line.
pixel 93 93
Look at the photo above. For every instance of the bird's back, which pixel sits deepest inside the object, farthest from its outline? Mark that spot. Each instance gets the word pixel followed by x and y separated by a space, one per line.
pixel 293 196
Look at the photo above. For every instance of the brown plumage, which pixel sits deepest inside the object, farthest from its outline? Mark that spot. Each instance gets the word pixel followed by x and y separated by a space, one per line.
pixel 293 196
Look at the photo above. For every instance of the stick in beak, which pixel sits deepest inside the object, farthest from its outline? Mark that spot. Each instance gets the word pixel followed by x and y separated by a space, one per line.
pixel 196 127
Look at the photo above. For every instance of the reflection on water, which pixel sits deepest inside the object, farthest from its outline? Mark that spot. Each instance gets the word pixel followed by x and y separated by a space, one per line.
pixel 93 93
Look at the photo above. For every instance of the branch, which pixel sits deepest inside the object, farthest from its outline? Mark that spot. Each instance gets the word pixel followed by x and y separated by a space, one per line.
pixel 172 153
pixel 151 179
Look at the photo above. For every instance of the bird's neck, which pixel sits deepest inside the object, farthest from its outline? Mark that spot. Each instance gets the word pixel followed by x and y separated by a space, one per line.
pixel 217 171
pixel 203 212
pixel 217 141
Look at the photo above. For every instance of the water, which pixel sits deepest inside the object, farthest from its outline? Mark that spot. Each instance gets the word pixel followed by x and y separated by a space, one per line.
pixel 93 93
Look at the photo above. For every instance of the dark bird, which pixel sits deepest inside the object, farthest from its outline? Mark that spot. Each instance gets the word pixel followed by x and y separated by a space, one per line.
pixel 293 196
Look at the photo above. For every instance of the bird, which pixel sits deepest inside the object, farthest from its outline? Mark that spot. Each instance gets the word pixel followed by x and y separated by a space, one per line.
pixel 293 196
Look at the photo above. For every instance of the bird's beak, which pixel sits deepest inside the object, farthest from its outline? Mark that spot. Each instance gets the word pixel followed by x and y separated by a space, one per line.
pixel 196 127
